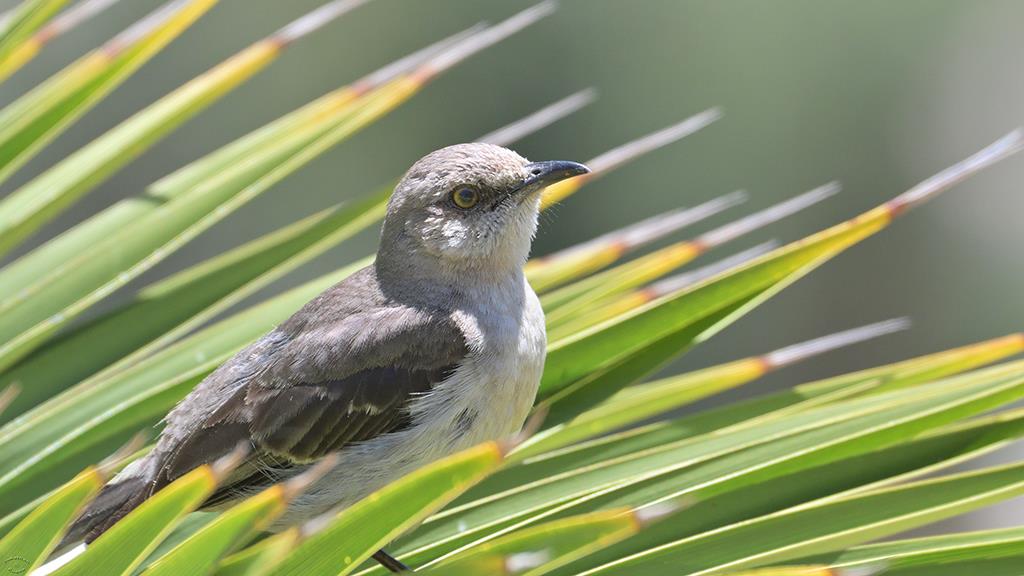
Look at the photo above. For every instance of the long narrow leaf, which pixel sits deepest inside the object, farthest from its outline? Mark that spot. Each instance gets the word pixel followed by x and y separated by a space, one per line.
pixel 638 403
pixel 35 119
pixel 607 308
pixel 27 50
pixel 41 199
pixel 259 558
pixel 547 272
pixel 927 455
pixel 932 550
pixel 201 551
pixel 621 155
pixel 678 321
pixel 569 301
pixel 360 530
pixel 18 27
pixel 121 548
pixel 26 546
pixel 26 270
pixel 873 380
pixel 541 549
pixel 833 525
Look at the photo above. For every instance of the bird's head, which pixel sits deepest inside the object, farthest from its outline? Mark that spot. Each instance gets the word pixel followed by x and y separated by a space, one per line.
pixel 469 208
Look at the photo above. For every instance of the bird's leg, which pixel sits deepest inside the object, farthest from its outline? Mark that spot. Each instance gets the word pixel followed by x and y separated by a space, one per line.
pixel 390 562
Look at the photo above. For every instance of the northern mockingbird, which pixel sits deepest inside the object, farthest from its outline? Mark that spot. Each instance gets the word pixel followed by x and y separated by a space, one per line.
pixel 436 346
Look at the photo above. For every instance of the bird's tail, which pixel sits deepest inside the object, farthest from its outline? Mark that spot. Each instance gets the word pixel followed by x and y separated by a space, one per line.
pixel 114 502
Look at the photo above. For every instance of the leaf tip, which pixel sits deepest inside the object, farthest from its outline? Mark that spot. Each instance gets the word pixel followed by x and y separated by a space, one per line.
pixel 314 20
pixel 540 119
pixel 770 215
pixel 301 482
pixel 109 465
pixel 227 463
pixel 633 149
pixel 1008 145
pixel 804 350
pixel 410 62
pixel 481 40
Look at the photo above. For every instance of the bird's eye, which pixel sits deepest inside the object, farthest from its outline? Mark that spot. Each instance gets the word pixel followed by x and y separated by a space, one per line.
pixel 465 197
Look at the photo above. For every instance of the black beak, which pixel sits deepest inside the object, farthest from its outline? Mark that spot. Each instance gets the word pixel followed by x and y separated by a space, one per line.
pixel 544 174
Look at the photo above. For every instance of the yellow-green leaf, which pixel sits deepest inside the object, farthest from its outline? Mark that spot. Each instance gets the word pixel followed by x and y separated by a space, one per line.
pixel 547 546
pixel 26 19
pixel 26 546
pixel 121 548
pixel 36 118
pixel 360 530
pixel 259 558
pixel 201 551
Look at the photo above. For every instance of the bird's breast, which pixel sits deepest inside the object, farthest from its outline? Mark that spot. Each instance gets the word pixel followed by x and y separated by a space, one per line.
pixel 490 394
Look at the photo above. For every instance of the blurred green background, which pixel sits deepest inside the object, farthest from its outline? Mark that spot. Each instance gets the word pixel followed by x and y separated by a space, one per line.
pixel 876 94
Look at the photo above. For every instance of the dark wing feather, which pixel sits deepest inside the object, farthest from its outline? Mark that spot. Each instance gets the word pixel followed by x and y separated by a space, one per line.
pixel 342 370
pixel 307 421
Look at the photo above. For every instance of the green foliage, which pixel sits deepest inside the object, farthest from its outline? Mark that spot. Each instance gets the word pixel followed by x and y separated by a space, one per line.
pixel 793 483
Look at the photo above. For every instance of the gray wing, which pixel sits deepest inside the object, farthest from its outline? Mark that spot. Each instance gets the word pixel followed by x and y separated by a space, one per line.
pixel 342 370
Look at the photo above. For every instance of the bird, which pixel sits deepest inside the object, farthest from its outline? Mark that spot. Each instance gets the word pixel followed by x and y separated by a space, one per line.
pixel 436 346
